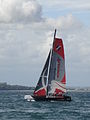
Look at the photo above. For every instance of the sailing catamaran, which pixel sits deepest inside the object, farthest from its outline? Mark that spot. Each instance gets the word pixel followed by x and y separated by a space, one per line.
pixel 52 81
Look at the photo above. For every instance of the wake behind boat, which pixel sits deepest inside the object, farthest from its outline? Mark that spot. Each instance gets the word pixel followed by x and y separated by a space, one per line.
pixel 52 81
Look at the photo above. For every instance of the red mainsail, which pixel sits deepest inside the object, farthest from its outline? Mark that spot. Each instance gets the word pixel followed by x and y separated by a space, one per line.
pixel 57 78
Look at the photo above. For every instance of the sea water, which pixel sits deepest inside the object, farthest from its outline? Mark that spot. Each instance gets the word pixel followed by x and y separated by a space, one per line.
pixel 13 106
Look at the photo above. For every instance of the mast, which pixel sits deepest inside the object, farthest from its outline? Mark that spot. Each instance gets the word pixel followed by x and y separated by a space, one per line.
pixel 50 59
pixel 54 37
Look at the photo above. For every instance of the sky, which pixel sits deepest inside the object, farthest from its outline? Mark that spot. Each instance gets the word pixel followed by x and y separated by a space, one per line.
pixel 26 35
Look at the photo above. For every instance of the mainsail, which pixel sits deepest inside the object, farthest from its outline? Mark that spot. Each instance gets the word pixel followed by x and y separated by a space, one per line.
pixel 52 80
pixel 57 78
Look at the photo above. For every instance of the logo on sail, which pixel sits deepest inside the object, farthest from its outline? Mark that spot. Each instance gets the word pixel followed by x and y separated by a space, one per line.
pixel 58 47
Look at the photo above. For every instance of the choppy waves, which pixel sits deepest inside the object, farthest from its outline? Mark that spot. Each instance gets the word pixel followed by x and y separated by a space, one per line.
pixel 14 107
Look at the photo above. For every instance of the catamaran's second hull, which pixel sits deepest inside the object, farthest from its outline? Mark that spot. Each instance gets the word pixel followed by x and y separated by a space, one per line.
pixel 52 98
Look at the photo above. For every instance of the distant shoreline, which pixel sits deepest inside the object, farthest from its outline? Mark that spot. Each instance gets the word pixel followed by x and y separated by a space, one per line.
pixel 5 86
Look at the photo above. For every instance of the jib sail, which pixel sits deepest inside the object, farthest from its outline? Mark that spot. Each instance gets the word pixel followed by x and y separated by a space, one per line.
pixel 41 88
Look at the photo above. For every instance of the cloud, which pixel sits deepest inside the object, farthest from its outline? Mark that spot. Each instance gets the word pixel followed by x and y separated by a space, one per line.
pixel 64 5
pixel 26 11
pixel 22 41
pixel 64 22
pixel 19 42
pixel 24 47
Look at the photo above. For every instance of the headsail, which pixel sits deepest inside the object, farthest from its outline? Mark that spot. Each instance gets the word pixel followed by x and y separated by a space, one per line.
pixel 41 88
pixel 56 78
